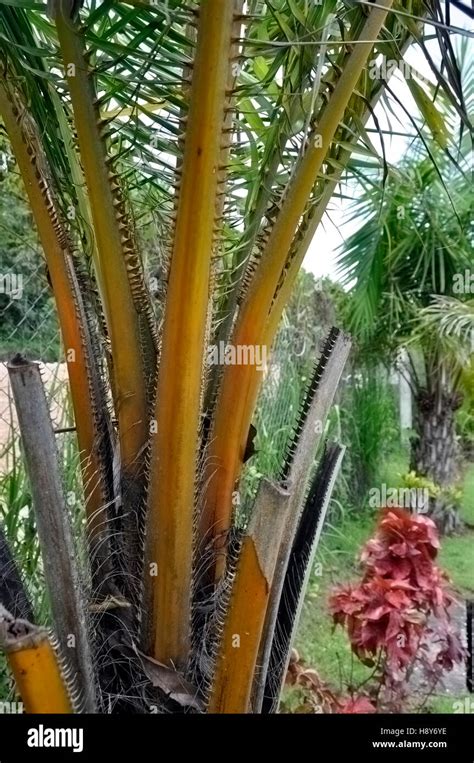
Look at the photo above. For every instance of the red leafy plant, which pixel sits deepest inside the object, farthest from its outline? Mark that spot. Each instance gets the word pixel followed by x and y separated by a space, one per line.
pixel 316 695
pixel 398 616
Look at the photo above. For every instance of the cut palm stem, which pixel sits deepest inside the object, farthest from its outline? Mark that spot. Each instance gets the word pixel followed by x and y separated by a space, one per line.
pixel 240 639
pixel 35 666
pixel 272 670
pixel 298 466
pixel 53 524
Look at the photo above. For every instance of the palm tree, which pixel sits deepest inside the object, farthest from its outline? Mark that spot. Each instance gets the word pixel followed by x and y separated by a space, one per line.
pixel 408 259
pixel 448 323
pixel 225 126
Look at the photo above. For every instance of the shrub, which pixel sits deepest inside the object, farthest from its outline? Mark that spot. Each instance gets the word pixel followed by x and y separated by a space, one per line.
pixel 398 616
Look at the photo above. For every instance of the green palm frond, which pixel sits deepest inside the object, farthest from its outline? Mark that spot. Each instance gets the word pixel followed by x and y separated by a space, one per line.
pixel 413 240
pixel 448 317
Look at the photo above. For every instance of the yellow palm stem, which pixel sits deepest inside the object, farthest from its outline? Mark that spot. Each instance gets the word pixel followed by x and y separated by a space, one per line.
pixel 175 446
pixel 240 383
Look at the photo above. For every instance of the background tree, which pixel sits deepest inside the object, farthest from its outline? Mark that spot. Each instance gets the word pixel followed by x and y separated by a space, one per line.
pixel 414 246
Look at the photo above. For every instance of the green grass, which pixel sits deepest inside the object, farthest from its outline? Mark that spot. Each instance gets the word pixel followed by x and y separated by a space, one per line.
pixel 457 553
pixel 467 512
pixel 457 558
pixel 391 471
pixel 319 644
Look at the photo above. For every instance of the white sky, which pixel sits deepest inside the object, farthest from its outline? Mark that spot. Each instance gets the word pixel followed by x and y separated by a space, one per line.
pixel 321 256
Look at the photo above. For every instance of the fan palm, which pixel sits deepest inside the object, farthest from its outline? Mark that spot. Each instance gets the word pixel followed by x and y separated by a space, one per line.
pixel 225 128
pixel 408 260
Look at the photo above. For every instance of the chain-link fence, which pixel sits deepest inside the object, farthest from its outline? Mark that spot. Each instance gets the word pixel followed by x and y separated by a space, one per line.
pixel 28 325
pixel 28 321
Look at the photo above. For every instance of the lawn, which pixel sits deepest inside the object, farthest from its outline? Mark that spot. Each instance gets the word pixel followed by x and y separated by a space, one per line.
pixel 457 553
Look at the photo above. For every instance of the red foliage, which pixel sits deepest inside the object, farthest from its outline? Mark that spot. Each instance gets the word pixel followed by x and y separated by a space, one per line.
pixel 318 696
pixel 402 600
pixel 356 705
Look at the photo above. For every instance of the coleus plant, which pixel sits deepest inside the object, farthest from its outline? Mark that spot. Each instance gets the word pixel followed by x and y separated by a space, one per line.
pixel 317 696
pixel 225 127
pixel 398 617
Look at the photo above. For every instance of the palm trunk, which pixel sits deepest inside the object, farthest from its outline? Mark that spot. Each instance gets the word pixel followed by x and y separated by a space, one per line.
pixel 435 452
